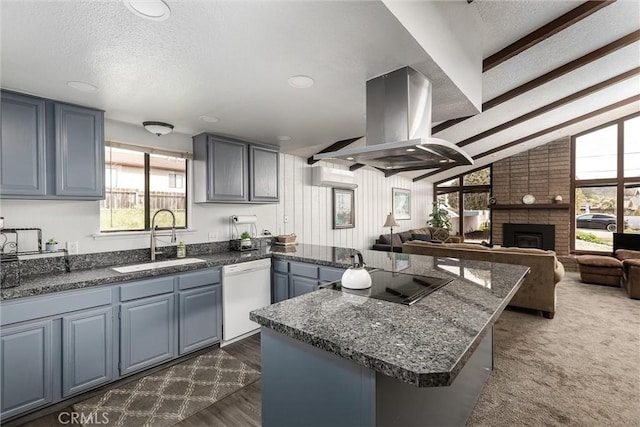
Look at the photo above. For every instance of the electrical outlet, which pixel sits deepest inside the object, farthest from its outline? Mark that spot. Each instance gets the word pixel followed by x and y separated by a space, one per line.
pixel 286 218
pixel 72 248
pixel 213 236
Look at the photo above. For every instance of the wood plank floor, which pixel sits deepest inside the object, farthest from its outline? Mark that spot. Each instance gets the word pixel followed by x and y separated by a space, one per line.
pixel 242 408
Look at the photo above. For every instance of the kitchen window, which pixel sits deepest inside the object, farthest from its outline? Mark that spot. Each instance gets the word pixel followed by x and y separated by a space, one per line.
pixel 138 182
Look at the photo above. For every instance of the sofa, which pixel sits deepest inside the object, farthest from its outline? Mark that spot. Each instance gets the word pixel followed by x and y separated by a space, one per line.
pixel 538 292
pixel 438 235
pixel 621 268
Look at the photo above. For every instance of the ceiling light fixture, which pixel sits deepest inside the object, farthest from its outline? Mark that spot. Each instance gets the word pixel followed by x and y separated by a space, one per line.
pixel 300 82
pixel 209 119
pixel 155 10
pixel 349 158
pixel 82 86
pixel 158 128
pixel 411 150
pixel 284 138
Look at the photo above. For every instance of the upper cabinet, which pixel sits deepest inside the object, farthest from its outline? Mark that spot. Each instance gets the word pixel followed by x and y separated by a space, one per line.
pixel 50 150
pixel 228 170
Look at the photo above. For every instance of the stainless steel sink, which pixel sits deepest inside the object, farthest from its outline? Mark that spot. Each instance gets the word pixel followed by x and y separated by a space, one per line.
pixel 156 264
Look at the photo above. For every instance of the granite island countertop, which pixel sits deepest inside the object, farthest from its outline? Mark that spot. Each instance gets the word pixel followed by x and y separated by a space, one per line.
pixel 52 282
pixel 425 344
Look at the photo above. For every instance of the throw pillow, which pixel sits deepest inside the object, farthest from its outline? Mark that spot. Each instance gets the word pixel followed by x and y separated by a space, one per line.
pixel 440 234
pixel 423 237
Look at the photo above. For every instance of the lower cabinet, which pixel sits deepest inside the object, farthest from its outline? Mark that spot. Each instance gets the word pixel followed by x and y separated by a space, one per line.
pixel 146 332
pixel 87 348
pixel 26 353
pixel 280 290
pixel 301 285
pixel 200 318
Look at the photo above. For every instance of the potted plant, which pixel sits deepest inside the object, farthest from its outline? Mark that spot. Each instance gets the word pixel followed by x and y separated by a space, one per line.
pixel 439 217
pixel 245 240
pixel 51 245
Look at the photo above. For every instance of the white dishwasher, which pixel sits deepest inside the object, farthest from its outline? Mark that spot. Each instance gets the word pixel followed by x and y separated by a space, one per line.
pixel 245 287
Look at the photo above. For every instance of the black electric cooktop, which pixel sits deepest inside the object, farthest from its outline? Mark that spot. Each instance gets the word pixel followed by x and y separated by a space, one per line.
pixel 401 288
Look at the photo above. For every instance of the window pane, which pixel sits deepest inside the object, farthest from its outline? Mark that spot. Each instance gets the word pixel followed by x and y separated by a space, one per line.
pixel 450 202
pixel 477 226
pixel 167 189
pixel 596 218
pixel 123 206
pixel 632 147
pixel 596 154
pixel 451 183
pixel 481 177
pixel 632 210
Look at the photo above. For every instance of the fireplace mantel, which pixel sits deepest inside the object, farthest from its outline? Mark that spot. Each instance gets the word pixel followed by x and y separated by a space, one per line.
pixel 535 206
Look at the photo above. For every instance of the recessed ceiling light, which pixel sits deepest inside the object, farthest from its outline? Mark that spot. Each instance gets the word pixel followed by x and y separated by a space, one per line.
pixel 410 150
pixel 444 161
pixel 82 86
pixel 389 167
pixel 155 10
pixel 349 158
pixel 284 138
pixel 494 155
pixel 209 119
pixel 300 82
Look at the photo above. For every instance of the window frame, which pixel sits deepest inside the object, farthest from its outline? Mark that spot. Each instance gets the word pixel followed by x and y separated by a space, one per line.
pixel 619 181
pixel 147 152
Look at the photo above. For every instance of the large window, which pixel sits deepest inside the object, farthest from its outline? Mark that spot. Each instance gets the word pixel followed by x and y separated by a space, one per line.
pixel 466 197
pixel 138 184
pixel 606 184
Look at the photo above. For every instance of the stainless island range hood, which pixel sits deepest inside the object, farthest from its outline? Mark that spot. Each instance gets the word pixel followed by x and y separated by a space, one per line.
pixel 398 133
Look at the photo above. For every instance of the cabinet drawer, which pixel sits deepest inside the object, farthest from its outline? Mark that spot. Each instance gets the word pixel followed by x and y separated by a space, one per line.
pixel 146 288
pixel 199 278
pixel 328 274
pixel 280 266
pixel 304 270
pixel 50 305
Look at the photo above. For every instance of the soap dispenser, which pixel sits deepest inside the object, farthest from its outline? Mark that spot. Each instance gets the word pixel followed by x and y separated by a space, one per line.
pixel 181 250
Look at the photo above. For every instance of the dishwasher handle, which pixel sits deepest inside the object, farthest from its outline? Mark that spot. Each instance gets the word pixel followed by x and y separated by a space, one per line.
pixel 247 267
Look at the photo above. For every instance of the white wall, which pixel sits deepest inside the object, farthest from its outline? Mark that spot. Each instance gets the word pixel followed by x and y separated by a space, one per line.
pixel 308 207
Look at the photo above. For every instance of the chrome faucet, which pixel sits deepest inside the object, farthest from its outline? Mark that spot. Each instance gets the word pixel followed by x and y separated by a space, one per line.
pixel 155 227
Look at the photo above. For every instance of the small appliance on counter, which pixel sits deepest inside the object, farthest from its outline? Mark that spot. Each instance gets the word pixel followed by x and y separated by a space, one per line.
pixel 246 240
pixel 356 277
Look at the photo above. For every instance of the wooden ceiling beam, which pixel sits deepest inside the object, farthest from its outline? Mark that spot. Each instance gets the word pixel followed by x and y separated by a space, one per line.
pixel 573 16
pixel 334 147
pixel 543 132
pixel 551 75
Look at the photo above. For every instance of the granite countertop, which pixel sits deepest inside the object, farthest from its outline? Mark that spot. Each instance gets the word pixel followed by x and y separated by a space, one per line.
pixel 425 344
pixel 52 282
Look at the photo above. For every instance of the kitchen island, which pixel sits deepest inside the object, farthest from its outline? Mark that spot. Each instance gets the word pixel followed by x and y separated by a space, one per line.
pixel 334 358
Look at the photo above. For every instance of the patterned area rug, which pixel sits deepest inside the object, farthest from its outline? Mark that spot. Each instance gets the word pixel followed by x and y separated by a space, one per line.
pixel 171 395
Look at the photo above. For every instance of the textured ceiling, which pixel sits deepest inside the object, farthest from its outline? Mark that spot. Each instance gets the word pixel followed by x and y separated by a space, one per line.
pixel 232 60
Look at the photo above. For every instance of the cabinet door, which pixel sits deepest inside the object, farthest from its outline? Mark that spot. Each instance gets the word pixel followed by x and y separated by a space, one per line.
pixel 263 170
pixel 301 286
pixel 146 333
pixel 79 152
pixel 86 350
pixel 280 287
pixel 25 363
pixel 227 170
pixel 200 318
pixel 22 146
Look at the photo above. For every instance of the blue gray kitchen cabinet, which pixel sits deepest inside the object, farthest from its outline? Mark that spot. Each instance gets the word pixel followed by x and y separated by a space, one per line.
pixel 146 332
pixel 230 170
pixel 50 150
pixel 264 166
pixel 86 350
pixel 280 291
pixel 22 145
pixel 200 317
pixel 79 143
pixel 26 353
pixel 301 285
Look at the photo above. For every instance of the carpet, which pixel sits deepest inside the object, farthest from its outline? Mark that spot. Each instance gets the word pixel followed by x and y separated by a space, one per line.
pixel 168 396
pixel 581 368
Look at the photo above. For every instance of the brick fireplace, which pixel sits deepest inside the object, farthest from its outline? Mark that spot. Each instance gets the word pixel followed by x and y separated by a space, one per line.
pixel 543 172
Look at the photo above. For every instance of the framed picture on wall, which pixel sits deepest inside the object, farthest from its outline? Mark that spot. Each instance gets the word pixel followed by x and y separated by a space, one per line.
pixel 344 209
pixel 401 199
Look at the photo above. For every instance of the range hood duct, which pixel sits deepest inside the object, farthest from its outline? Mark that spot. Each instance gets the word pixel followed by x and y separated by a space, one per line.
pixel 398 133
